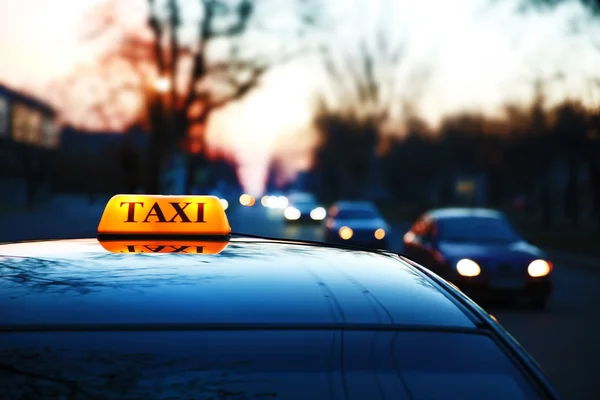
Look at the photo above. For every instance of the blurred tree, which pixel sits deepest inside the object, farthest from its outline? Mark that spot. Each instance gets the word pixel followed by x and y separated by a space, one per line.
pixel 345 157
pixel 570 128
pixel 362 96
pixel 412 164
pixel 592 5
pixel 130 162
pixel 540 150
pixel 593 151
pixel 181 82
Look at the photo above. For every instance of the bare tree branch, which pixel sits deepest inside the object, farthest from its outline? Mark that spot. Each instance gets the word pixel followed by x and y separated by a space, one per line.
pixel 134 58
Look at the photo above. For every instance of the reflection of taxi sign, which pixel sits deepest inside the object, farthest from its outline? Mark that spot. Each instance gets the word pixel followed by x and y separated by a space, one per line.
pixel 164 224
pixel 164 246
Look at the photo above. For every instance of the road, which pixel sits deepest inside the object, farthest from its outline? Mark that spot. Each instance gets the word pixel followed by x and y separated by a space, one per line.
pixel 565 338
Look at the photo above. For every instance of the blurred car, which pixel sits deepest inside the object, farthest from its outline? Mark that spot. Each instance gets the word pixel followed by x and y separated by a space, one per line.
pixel 158 309
pixel 480 252
pixel 304 208
pixel 358 223
pixel 274 200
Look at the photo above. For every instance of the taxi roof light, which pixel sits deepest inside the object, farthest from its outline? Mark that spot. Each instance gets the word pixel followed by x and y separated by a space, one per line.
pixel 166 216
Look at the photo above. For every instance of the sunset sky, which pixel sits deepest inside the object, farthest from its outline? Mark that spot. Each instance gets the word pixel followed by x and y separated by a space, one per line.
pixel 478 57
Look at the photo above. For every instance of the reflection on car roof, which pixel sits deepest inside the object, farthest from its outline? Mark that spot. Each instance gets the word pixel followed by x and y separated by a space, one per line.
pixel 250 282
pixel 461 212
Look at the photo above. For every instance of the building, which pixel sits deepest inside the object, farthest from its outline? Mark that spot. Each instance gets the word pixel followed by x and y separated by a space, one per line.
pixel 28 136
pixel 26 120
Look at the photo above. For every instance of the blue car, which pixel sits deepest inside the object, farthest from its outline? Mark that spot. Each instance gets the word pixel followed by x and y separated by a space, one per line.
pixel 356 223
pixel 480 252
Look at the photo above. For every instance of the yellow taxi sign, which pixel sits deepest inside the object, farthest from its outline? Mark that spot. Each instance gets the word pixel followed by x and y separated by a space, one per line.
pixel 162 246
pixel 168 216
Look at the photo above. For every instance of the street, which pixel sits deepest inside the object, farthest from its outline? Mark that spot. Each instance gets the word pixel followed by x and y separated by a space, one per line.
pixel 564 338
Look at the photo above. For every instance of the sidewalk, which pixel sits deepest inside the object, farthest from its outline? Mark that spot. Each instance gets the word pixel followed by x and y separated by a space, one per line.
pixel 63 217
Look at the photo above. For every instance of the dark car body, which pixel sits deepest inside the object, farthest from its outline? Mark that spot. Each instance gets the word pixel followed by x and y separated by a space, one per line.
pixel 363 218
pixel 262 319
pixel 441 237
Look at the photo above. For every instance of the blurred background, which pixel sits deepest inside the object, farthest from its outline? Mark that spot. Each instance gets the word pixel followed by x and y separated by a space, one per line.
pixel 410 105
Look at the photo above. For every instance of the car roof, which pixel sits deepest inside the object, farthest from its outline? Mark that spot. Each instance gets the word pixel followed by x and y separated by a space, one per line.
pixel 462 212
pixel 249 282
pixel 355 205
pixel 296 196
pixel 302 199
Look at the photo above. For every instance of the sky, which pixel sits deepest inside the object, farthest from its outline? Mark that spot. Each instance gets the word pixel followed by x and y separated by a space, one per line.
pixel 477 57
pixel 38 40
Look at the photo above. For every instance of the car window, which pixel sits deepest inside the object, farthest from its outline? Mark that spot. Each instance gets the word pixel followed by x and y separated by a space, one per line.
pixel 303 203
pixel 257 364
pixel 356 214
pixel 476 229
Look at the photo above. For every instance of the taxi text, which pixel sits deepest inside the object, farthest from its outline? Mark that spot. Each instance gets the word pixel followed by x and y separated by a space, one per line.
pixel 157 214
pixel 136 248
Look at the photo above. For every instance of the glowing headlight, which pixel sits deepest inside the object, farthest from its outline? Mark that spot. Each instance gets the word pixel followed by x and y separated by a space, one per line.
pixel 271 202
pixel 345 232
pixel 224 203
pixel 247 200
pixel 318 214
pixel 281 202
pixel 265 201
pixel 539 268
pixel 292 213
pixel 467 267
pixel 379 234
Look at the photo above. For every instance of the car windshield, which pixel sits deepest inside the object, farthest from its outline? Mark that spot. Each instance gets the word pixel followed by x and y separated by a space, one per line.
pixel 304 203
pixel 476 229
pixel 356 214
pixel 258 364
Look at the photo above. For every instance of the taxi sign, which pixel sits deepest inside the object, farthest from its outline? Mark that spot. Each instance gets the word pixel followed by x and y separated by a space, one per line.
pixel 149 216
pixel 163 246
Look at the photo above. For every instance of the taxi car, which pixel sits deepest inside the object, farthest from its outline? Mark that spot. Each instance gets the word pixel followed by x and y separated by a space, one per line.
pixel 168 303
pixel 358 223
pixel 479 251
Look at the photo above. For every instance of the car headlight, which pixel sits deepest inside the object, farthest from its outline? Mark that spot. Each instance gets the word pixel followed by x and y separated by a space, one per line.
pixel 539 268
pixel 318 214
pixel 469 268
pixel 224 203
pixel 292 213
pixel 345 233
pixel 281 202
pixel 265 201
pixel 380 234
pixel 247 200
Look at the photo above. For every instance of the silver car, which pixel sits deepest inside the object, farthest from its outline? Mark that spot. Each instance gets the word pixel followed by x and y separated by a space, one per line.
pixel 357 223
